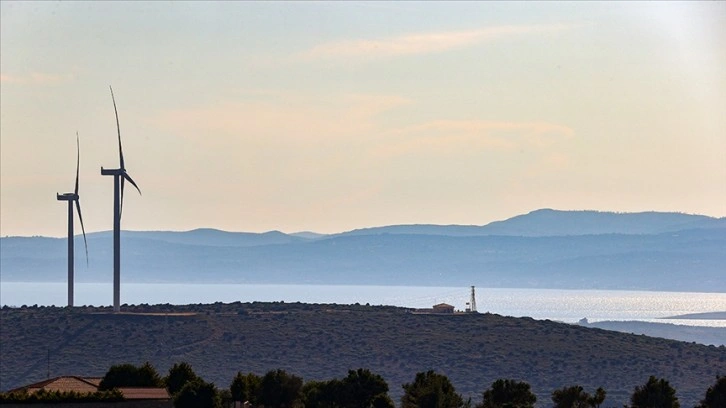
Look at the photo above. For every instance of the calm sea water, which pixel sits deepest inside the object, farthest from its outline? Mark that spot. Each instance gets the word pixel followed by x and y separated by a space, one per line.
pixel 554 304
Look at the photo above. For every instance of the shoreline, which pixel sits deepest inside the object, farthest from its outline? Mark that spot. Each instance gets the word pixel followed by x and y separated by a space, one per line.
pixel 699 316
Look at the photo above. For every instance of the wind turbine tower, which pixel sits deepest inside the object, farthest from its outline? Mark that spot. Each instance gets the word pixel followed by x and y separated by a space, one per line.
pixel 73 198
pixel 119 179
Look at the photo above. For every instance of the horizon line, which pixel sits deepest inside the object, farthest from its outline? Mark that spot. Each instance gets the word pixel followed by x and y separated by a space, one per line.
pixel 308 231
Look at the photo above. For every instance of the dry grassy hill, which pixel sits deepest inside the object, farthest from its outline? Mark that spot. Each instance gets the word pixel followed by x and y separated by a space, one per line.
pixel 324 341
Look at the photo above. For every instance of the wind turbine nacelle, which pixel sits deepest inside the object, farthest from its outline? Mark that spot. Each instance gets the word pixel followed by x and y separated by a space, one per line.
pixel 111 172
pixel 67 196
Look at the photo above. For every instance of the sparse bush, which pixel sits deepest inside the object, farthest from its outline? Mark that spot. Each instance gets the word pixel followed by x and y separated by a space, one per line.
pixel 43 396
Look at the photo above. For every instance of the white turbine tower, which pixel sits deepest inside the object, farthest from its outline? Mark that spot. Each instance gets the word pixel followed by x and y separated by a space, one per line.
pixel 73 198
pixel 119 179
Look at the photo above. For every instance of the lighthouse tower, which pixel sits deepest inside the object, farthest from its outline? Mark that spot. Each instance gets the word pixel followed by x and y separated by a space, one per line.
pixel 472 302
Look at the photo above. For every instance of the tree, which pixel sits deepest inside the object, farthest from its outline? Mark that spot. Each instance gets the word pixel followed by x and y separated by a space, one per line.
pixel 148 376
pixel 430 390
pixel 508 394
pixel 225 397
pixel 571 397
pixel 197 394
pixel 598 398
pixel 656 393
pixel 360 388
pixel 128 375
pixel 321 394
pixel 179 375
pixel 382 401
pixel 715 395
pixel 575 397
pixel 280 389
pixel 246 387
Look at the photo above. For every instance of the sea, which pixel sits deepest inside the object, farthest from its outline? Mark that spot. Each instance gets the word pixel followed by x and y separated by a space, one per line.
pixel 563 305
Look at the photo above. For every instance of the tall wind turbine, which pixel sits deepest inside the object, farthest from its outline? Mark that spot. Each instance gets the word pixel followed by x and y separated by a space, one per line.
pixel 73 198
pixel 119 179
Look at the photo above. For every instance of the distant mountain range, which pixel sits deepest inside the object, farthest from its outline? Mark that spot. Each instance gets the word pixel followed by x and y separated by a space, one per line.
pixel 544 249
pixel 548 222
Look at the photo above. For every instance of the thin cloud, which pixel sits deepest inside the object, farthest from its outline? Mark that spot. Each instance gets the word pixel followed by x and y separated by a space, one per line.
pixel 299 122
pixel 423 43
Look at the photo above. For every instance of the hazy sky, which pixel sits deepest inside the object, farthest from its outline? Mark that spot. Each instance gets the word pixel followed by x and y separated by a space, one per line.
pixel 332 116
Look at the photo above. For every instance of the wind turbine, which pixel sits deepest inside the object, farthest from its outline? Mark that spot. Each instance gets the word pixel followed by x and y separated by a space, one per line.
pixel 73 198
pixel 119 179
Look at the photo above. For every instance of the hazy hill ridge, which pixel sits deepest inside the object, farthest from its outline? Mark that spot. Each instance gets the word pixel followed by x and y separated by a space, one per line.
pixel 545 248
pixel 209 237
pixel 548 222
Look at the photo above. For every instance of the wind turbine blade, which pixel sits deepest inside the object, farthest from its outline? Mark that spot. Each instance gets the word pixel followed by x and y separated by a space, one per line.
pixel 127 177
pixel 78 162
pixel 80 217
pixel 118 130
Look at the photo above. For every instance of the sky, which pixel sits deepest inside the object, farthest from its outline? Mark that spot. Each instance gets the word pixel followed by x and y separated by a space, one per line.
pixel 331 116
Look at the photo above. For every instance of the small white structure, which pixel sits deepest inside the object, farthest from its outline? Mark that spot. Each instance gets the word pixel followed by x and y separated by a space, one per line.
pixel 471 304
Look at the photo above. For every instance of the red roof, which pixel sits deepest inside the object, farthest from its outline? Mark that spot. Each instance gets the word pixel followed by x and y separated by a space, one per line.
pixel 65 383
pixel 90 384
pixel 139 393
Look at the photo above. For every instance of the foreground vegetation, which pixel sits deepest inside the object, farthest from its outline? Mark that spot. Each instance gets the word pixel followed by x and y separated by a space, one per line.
pixel 359 389
pixel 319 342
pixel 47 397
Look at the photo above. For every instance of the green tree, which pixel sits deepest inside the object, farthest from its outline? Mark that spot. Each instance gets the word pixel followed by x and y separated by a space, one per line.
pixel 571 397
pixel 715 395
pixel 382 401
pixel 225 397
pixel 280 390
pixel 597 399
pixel 147 374
pixel 246 387
pixel 179 375
pixel 656 393
pixel 506 393
pixel 197 394
pixel 430 390
pixel 360 388
pixel 321 394
pixel 128 375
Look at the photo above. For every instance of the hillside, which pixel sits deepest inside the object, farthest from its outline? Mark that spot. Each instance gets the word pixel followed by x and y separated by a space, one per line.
pixel 207 237
pixel 689 260
pixel 324 341
pixel 548 223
